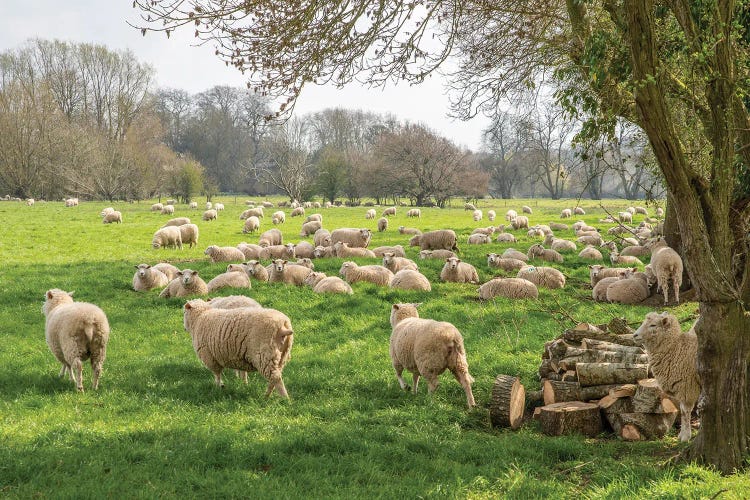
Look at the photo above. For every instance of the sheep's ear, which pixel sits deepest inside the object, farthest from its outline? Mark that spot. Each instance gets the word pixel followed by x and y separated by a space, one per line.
pixel 283 262
pixel 188 306
pixel 70 294
pixel 137 267
pixel 666 320
pixel 195 273
pixel 179 273
pixel 49 294
pixel 396 307
pixel 417 304
pixel 591 267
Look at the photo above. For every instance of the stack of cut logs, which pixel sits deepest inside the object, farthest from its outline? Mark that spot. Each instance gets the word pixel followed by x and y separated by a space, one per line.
pixel 591 372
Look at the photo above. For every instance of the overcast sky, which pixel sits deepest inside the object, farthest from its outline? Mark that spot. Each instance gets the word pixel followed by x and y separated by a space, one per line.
pixel 182 65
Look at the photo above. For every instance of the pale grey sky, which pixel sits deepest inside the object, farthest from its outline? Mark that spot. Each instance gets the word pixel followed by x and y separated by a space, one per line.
pixel 181 65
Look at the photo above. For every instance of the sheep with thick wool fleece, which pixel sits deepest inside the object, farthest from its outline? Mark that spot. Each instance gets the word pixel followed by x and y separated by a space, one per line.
pixel 510 288
pixel 477 215
pixel 177 222
pixel 566 213
pixel 278 217
pixel 479 239
pixel 320 283
pixel 224 254
pixel 414 212
pixel 210 214
pixel 271 237
pixel 673 360
pixel 298 212
pixel 526 209
pixel 355 238
pixel 469 206
pixel 304 250
pixel 323 252
pixel 370 214
pixel 250 250
pixel 256 212
pixel 667 268
pixel 166 237
pixel 520 222
pixel 114 216
pixel 427 348
pixel 444 239
pixel 559 244
pixel 156 207
pixel 185 284
pixel 218 207
pixel 538 251
pixel 510 215
pixel 247 339
pixel 278 252
pixel 489 230
pixel 312 217
pixel 598 272
pixel 397 250
pixel 410 279
pixel 456 271
pixel 389 211
pixel 382 224
pixel 512 253
pixel 408 230
pixel 234 277
pixel 491 215
pixel 251 225
pixel 591 253
pixel 284 272
pixel 167 210
pixel 75 332
pixel 341 249
pixel 147 278
pixel 354 273
pixel 189 234
pixel 506 264
pixel 616 258
pixel 168 269
pixel 322 238
pixel 232 302
pixel 546 277
pixel 256 270
pixel 629 290
pixel 309 228
pixel 436 254
pixel 395 264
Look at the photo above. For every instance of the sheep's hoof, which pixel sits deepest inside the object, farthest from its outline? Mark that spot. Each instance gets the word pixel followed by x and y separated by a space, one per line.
pixel 406 388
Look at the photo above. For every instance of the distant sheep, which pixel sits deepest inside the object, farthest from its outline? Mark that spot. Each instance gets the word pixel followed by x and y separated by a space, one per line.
pixel 389 211
pixel 166 237
pixel 510 288
pixel 491 215
pixel 321 283
pixel 374 274
pixel 382 224
pixel 628 260
pixel 408 230
pixel 193 205
pixel 167 210
pixel 210 215
pixel 625 217
pixel 251 225
pixel 520 222
pixel 370 214
pixel 489 230
pixel 298 212
pixel 641 210
pixel 590 239
pixel 104 211
pixel 234 277
pixel 278 217
pixel 410 279
pixel 219 207
pixel 579 211
pixel 75 332
pixel 510 215
pixel 427 348
pixel 270 237
pixel 224 254
pixel 352 237
pixel 185 284
pixel 313 217
pixel 505 238
pixel 557 226
pixel 209 205
pixel 659 212
pixel 673 360
pixel 469 206
pixel 111 217
pixel 257 212
pixel 477 215
pixel 566 213
pixel 456 271
pixel 559 244
pixel 436 254
pixel 667 268
pixel 267 204
pixel 156 207
pixel 433 240
pixel 414 212
pixel 147 278
pixel 546 277
pixel 526 209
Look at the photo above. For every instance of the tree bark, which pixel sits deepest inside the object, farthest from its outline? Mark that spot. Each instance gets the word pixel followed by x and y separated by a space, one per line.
pixel 572 417
pixel 508 402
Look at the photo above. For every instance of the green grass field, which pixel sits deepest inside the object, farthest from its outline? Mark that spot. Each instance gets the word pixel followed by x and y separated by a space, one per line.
pixel 158 427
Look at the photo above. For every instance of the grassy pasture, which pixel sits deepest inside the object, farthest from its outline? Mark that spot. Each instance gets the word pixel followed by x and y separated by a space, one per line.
pixel 159 427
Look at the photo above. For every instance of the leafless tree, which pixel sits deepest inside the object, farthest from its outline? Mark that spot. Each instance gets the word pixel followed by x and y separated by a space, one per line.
pixel 287 164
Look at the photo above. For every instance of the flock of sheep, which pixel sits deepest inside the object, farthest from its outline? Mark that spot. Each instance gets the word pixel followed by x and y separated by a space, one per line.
pixel 237 332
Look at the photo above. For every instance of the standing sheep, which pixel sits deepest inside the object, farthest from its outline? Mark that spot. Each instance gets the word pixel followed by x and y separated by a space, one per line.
pixel 455 271
pixel 566 213
pixel 167 210
pixel 224 254
pixel 313 217
pixel 389 211
pixel 193 205
pixel 189 234
pixel 673 360
pixel 257 212
pixel 210 214
pixel 322 238
pixel 414 212
pixel 370 214
pixel 251 225
pixel 219 207
pixel 111 217
pixel 382 224
pixel 246 339
pixel 477 215
pixel 156 207
pixel 667 267
pixel 491 215
pixel 526 209
pixel 75 332
pixel 510 288
pixel 444 239
pixel 520 222
pixel 352 237
pixel 147 278
pixel 427 348
pixel 579 211
pixel 271 237
pixel 209 205
pixel 167 237
pixel 278 217
pixel 186 283
pixel 409 279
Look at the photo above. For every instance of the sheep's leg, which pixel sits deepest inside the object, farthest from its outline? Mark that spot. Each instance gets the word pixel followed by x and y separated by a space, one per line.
pixel 676 287
pixel 432 383
pixel 276 382
pixel 415 382
pixel 685 429
pixel 96 368
pixel 465 382
pixel 76 372
pixel 63 370
pixel 399 370
pixel 217 377
pixel 242 374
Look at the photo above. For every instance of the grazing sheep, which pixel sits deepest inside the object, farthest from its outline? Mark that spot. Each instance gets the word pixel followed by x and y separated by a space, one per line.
pixel 251 225
pixel 599 292
pixel 219 207
pixel 396 264
pixel 304 250
pixel 659 212
pixel 209 205
pixel 270 237
pixel 168 269
pixel 590 253
pixel 579 211
pixel 410 279
pixel 598 272
pixel 427 348
pixel 673 360
pixel 147 278
pixel 631 210
pixel 510 288
pixel 323 252
pixel 433 240
pixel 526 209
pixel 414 212
pixel 370 214
pixel 193 205
pixel 538 251
pixel 250 250
pixel 75 332
pixel 210 215
pixel 267 204
pixel 479 239
pixel 156 207
pixel 167 210
pixel 245 339
pixel 641 210
pixel 189 234
pixel 629 290
pixel 298 212
pixel 557 226
pixel 506 238
pixel 456 271
pixel 469 206
pixel 408 230
pixel 436 254
pixel 313 217
pixel 520 222
pixel 389 211
pixel 282 272
pixel 342 249
pixel 167 237
pixel 233 302
pixel 186 283
pixel 374 274
pixel 547 277
pixel 629 260
pixel 490 230
pixel 309 228
pixel 257 212
pixel 625 217
pixel 353 237
pixel 512 253
pixel 177 222
pixel 322 238
pixel 510 215
pixel 566 213
pixel 491 215
pixel 255 269
pixel 667 268
pixel 494 260
pixel 321 283
pixel 224 254
pixel 278 217
pixel 382 224
pixel 477 215
pixel 111 217
pixel 71 202
pixel 327 204
pixel 234 277
pixel 277 252
pixel 104 211
pixel 396 250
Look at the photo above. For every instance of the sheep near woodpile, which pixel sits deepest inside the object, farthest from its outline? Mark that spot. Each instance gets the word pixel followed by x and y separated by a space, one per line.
pixel 629 290
pixel 510 288
pixel 247 339
pixel 410 279
pixel 547 277
pixel 456 271
pixel 666 265
pixel 672 358
pixel 186 283
pixel 506 264
pixel 75 332
pixel 598 272
pixel 147 278
pixel 427 348
pixel 433 240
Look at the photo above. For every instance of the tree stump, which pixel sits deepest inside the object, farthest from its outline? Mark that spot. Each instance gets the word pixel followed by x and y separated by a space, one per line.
pixel 610 373
pixel 508 402
pixel 572 417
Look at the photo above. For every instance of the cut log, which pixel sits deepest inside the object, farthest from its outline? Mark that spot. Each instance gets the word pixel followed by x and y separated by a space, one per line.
pixel 555 349
pixel 572 417
pixel 623 391
pixel 613 407
pixel 650 425
pixel 570 376
pixel 598 356
pixel 619 326
pixel 648 398
pixel 603 345
pixel 577 336
pixel 533 397
pixel 558 391
pixel 629 432
pixel 544 368
pixel 610 373
pixel 508 402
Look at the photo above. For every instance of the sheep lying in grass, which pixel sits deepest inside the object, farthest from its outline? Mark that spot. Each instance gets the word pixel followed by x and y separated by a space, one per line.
pixel 289 274
pixel 599 292
pixel 234 277
pixel 312 217
pixel 321 283
pixel 598 272
pixel 277 252
pixel 409 230
pixel 666 265
pixel 433 240
pixel 410 279
pixel 436 254
pixel 322 238
pixel 427 348
pixel 147 278
pixel 628 260
pixel 270 237
pixel 396 250
pixel 304 250
pixel 186 283
pixel 672 359
pixel 590 253
pixel 510 288
pixel 557 226
pixel 246 339
pixel 342 249
pixel 479 239
pixel 309 228
pixel 75 332
pixel 490 230
pixel 168 269
pixel 323 252
pixel 526 209
pixel 547 277
pixel 512 253
pixel 232 302
pixel 579 211
pixel 382 224
pixel 167 237
pixel 374 274
pixel 559 244
pixel 255 269
pixel 396 264
pixel 455 271
pixel 177 222
pixel 537 251
pixel 506 264
pixel 629 290
pixel 224 254
pixel 113 216
pixel 250 250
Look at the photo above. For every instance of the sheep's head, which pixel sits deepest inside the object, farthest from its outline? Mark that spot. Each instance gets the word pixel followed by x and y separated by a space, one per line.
pixel 365 233
pixel 424 254
pixel 492 258
pixel 187 276
pixel 279 265
pixel 387 258
pixel 346 267
pixel 143 270
pixel 306 262
pixel 313 278
pixel 655 328
pixel 402 311
pixel 236 268
pixel 156 243
pixel 210 250
pixel 595 270
pixel 415 240
pixel 452 262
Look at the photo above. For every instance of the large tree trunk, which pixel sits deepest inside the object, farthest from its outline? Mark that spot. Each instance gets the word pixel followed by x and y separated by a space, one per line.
pixel 723 361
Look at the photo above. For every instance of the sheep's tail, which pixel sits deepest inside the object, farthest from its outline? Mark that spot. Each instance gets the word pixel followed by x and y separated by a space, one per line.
pixel 88 329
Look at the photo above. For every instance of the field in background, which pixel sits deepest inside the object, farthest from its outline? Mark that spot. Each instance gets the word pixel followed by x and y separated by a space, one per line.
pixel 159 427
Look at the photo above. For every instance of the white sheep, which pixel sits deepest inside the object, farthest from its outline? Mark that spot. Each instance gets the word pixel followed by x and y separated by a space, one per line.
pixel 250 250
pixel 396 264
pixel 538 251
pixel 209 205
pixel 267 204
pixel 410 279
pixel 341 249
pixel 547 277
pixel 506 264
pixel 234 277
pixel 510 288
pixel 659 212
pixel 477 215
pixel 104 211
pixel 389 211
pixel 506 238
pixel 219 207
pixel 251 225
pixel 559 244
pixel 526 209
pixel 71 202
pixel 414 212
pixel 673 360
pixel 193 205
pixel 156 207
pixel 353 273
pixel 166 237
pixel 147 278
pixel 304 249
pixel 599 292
pixel 625 217
pixel 75 332
pixel 278 217
pixel 382 224
pixel 298 212
pixel 322 238
pixel 370 214
pixel 321 283
pixel 257 212
pixel 628 260
pixel 186 283
pixel 579 211
pixel 632 289
pixel 110 217
pixel 255 269
pixel 323 252
pixel 312 217
pixel 666 265
pixel 309 228
pixel 224 254
pixel 397 250
pixel 427 348
pixel 598 272
pixel 469 206
pixel 479 239
pixel 456 271
pixel 557 226
pixel 434 240
pixel 283 272
pixel 512 253
pixel 277 252
pixel 351 236
pixel 270 237
pixel 636 251
pixel 520 222
pixel 177 222
pixel 189 234
pixel 641 210
pixel 210 214
pixel 591 253
pixel 408 230
pixel 168 269
pixel 590 239
pixel 167 210
pixel 489 230
pixel 233 302
pixel 510 215
pixel 566 213
pixel 246 339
